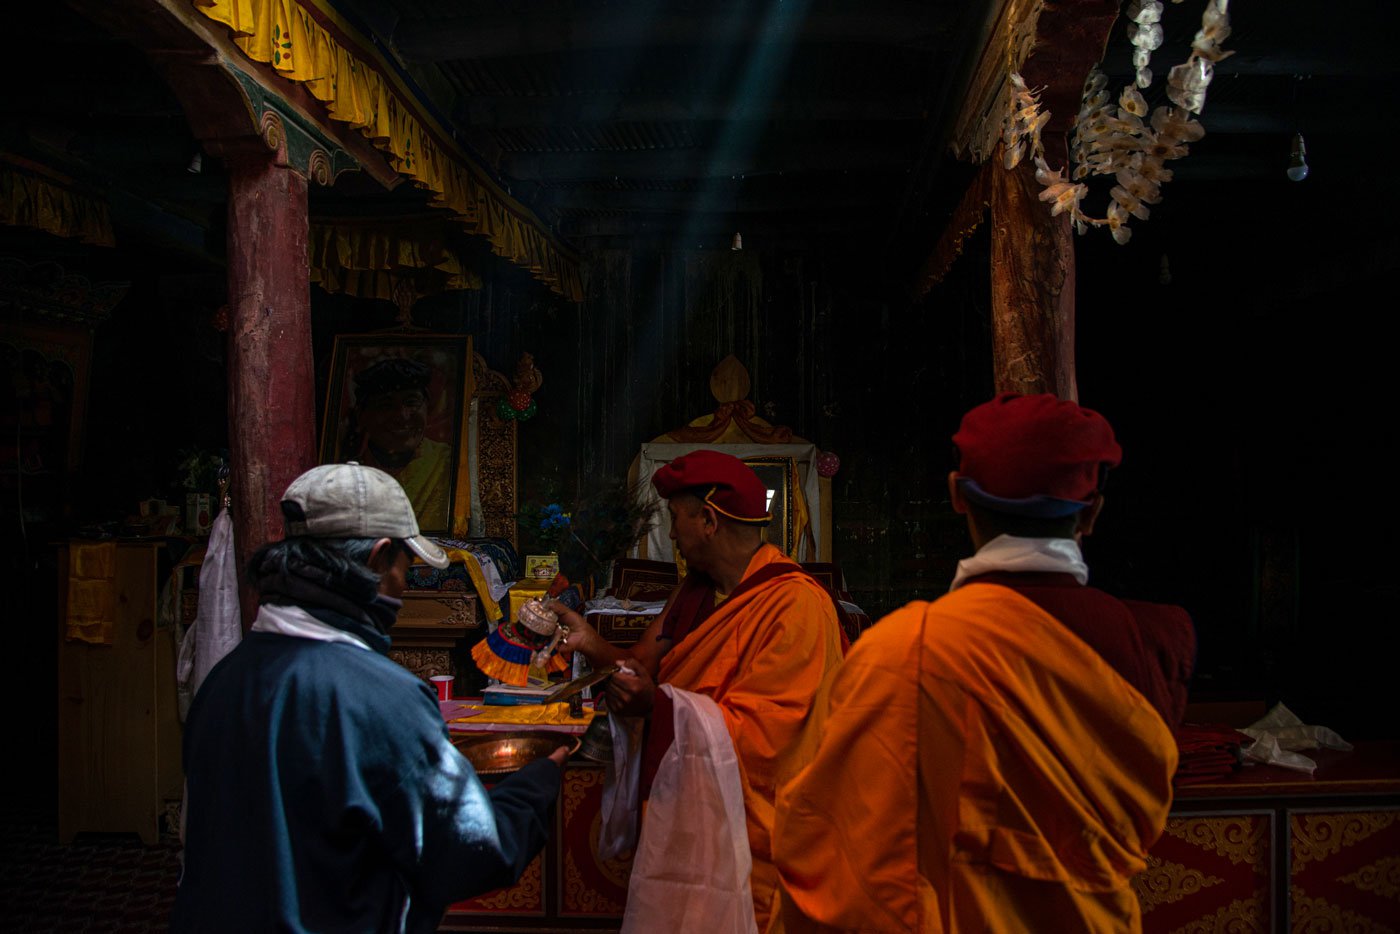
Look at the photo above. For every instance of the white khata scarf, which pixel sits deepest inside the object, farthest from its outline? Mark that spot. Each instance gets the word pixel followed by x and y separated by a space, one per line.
pixel 1015 554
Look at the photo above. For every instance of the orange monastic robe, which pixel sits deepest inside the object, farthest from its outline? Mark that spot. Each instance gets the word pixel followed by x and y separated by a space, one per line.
pixel 761 656
pixel 980 769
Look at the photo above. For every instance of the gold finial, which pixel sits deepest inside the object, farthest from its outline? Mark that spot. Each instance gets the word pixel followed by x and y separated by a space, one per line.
pixel 729 381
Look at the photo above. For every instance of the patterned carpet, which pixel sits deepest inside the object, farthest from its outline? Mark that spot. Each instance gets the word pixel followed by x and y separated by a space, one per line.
pixel 99 883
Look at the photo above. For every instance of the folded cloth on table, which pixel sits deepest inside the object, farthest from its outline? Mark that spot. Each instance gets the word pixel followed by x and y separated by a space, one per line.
pixel 1203 767
pixel 1280 733
pixel 1206 751
pixel 621 606
pixel 477 716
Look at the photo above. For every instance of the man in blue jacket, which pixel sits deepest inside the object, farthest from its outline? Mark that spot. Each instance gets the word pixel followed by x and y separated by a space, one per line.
pixel 323 792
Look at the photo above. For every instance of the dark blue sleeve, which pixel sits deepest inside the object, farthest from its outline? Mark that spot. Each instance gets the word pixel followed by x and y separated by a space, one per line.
pixel 453 838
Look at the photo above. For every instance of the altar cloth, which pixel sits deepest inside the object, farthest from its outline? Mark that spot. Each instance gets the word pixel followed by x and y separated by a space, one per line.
pixel 470 715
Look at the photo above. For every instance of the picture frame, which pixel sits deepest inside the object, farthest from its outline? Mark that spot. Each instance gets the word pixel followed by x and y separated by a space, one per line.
pixel 401 401
pixel 541 567
pixel 778 473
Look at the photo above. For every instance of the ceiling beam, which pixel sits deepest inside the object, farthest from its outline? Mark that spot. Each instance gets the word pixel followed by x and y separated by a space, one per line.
pixel 698 163
pixel 1052 45
pixel 465 37
pixel 506 112
pixel 200 62
pixel 1070 38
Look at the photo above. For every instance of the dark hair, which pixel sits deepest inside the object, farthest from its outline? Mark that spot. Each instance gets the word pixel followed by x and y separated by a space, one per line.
pixel 390 374
pixel 340 564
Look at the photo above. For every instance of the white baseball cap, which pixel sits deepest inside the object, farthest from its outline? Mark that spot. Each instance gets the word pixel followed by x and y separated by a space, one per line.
pixel 354 501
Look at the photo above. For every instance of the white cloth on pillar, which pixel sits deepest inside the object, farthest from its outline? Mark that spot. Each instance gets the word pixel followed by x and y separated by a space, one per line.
pixel 691 871
pixel 217 626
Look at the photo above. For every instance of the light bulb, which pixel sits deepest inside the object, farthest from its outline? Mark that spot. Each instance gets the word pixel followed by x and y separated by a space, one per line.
pixel 1297 161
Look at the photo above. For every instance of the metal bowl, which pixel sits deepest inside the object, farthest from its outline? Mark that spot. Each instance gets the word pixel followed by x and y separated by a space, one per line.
pixel 503 753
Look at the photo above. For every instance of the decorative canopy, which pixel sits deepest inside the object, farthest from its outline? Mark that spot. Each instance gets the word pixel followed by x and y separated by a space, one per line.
pixel 307 42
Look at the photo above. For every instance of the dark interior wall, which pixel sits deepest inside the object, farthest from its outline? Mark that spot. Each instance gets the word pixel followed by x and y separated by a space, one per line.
pixel 1252 395
pixel 156 388
pixel 832 353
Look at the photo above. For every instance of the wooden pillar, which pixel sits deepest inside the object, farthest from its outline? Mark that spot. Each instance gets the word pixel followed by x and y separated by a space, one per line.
pixel 272 390
pixel 1032 283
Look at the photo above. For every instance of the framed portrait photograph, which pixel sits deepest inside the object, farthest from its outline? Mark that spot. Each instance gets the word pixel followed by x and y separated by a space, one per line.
pixel 401 402
pixel 777 472
pixel 541 567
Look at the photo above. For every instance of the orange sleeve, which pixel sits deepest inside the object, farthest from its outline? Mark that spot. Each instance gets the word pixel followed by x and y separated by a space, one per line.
pixel 770 697
pixel 845 842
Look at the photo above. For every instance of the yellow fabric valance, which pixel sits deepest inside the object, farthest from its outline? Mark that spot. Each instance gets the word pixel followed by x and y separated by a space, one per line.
pixel 45 202
pixel 370 259
pixel 304 41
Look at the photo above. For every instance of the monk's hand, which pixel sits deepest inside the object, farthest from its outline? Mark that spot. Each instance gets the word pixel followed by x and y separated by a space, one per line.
pixel 559 755
pixel 582 636
pixel 630 691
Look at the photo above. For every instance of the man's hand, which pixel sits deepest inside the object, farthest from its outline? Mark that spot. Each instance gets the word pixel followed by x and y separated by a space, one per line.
pixel 582 636
pixel 630 691
pixel 559 755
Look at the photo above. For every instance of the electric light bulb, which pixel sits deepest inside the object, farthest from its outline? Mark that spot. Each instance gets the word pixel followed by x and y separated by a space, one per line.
pixel 1297 161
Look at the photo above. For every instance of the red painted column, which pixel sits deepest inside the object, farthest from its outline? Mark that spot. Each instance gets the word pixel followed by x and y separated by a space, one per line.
pixel 1032 282
pixel 272 390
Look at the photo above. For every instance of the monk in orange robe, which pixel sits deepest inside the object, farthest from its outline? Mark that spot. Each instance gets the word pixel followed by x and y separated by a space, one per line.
pixel 748 628
pixel 999 759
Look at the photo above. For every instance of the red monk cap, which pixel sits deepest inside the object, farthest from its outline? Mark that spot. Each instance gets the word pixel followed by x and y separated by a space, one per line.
pixel 1034 455
pixel 721 480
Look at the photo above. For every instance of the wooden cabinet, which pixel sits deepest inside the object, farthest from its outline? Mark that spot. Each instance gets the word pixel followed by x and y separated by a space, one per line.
pixel 432 630
pixel 119 729
pixel 1270 850
pixel 1266 851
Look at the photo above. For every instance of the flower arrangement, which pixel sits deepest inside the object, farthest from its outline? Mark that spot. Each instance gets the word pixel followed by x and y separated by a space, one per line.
pixel 608 522
pixel 549 525
pixel 605 524
pixel 1122 141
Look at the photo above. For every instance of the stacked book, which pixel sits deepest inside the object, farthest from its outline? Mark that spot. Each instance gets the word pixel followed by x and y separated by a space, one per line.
pixel 508 695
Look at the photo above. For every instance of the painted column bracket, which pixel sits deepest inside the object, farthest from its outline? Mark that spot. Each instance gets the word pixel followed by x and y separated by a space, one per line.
pixel 298 143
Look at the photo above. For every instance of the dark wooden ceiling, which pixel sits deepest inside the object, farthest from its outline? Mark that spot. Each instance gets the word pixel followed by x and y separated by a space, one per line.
pixel 793 121
pixel 691 120
pixel 816 119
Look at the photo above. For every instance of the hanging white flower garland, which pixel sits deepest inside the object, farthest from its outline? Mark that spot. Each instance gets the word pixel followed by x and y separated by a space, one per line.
pixel 1116 141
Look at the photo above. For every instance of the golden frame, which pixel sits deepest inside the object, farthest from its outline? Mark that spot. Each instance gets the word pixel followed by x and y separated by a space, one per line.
pixel 435 474
pixel 778 473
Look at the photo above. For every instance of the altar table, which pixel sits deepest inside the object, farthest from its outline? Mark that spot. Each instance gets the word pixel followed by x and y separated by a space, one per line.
pixel 1266 850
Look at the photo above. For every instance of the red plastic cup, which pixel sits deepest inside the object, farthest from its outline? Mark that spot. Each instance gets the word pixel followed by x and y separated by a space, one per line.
pixel 443 683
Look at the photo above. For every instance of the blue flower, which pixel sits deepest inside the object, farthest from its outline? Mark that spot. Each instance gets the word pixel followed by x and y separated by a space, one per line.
pixel 553 517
